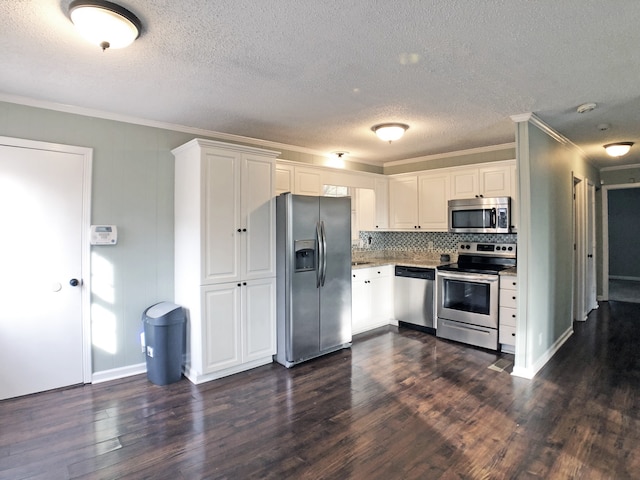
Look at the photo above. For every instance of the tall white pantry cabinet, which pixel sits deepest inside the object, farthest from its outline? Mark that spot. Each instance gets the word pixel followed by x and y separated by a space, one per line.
pixel 225 256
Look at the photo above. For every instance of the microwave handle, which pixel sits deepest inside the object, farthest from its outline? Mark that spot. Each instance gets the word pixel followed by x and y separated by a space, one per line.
pixel 494 218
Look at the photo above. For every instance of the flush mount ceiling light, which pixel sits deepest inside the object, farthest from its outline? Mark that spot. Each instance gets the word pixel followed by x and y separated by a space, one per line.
pixel 586 107
pixel 390 132
pixel 618 149
pixel 104 23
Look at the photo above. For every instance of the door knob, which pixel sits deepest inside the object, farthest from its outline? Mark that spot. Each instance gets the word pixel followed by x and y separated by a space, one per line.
pixel 74 282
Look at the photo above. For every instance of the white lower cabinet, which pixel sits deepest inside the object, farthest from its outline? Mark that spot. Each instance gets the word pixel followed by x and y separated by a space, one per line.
pixel 508 312
pixel 239 325
pixel 371 298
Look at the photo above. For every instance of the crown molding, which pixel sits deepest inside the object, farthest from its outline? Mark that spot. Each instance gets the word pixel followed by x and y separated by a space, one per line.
pixel 620 167
pixel 534 120
pixel 457 153
pixel 198 132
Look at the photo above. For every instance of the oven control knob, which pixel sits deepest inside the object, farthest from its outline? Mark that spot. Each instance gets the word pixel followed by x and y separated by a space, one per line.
pixel 510 248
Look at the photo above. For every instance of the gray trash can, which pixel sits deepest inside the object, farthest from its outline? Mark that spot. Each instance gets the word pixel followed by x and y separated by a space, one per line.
pixel 164 330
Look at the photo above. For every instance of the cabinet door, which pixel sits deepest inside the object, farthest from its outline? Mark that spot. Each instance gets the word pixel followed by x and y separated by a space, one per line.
pixel 433 194
pixel 365 209
pixel 464 184
pixel 258 217
pixel 221 216
pixel 284 179
pixel 361 305
pixel 308 181
pixel 221 336
pixel 259 319
pixel 495 181
pixel 403 202
pixel 381 298
pixel 382 203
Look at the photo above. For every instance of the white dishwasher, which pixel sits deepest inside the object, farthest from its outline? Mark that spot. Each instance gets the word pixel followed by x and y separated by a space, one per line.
pixel 413 297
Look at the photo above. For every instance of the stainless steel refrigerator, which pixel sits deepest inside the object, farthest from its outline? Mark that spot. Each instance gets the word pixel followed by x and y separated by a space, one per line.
pixel 313 251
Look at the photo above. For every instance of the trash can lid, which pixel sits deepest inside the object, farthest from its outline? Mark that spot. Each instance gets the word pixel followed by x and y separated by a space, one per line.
pixel 164 313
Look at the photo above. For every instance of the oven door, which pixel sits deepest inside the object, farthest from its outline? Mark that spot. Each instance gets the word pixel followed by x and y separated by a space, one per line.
pixel 468 297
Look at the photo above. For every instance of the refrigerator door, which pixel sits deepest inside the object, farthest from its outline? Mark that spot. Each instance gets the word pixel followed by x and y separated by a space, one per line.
pixel 303 326
pixel 335 293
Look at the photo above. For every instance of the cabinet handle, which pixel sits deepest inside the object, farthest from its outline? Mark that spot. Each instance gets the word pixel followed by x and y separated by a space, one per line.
pixel 239 285
pixel 513 334
pixel 239 230
pixel 244 283
pixel 244 229
pixel 513 316
pixel 513 298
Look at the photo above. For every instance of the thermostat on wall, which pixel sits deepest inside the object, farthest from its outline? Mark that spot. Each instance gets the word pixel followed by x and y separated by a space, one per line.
pixel 104 234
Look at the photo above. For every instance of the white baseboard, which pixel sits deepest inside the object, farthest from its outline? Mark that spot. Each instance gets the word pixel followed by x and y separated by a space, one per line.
pixel 116 373
pixel 530 372
pixel 198 378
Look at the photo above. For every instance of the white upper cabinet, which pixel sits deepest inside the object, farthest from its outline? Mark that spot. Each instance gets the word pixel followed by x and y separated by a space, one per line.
pixel 239 216
pixel 433 195
pixel 308 181
pixel 403 202
pixel 495 181
pixel 284 179
pixel 382 203
pixel 258 239
pixel 486 181
pixel 224 212
pixel 464 184
pixel 420 201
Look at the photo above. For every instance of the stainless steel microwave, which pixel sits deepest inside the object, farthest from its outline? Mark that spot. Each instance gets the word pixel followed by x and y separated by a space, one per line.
pixel 480 215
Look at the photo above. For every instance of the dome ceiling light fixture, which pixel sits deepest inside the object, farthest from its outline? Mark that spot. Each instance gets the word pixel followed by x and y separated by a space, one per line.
pixel 618 149
pixel 390 132
pixel 586 107
pixel 104 23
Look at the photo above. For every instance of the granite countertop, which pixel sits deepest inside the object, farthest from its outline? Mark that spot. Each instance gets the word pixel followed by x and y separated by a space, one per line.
pixel 427 260
pixel 513 271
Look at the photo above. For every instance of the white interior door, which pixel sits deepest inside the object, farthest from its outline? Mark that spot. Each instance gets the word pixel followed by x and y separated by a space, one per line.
pixel 591 291
pixel 43 213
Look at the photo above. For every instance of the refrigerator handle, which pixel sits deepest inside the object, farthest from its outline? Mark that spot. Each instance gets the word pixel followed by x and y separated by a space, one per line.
pixel 324 253
pixel 319 255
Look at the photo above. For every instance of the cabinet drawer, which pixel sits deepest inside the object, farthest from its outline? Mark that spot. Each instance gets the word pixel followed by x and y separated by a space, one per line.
pixel 508 298
pixel 507 335
pixel 508 316
pixel 509 282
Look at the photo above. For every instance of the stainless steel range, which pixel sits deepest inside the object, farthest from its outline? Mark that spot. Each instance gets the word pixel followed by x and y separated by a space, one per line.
pixel 467 304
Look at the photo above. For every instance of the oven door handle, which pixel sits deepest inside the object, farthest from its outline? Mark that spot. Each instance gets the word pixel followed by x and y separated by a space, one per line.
pixel 470 277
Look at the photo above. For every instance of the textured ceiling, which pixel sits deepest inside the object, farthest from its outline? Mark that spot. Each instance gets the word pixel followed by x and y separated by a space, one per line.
pixel 318 74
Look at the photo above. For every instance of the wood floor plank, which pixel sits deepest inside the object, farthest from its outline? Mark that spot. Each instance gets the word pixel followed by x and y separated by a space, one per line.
pixel 398 404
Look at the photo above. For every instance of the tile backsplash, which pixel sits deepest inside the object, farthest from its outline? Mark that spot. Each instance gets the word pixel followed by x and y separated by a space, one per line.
pixel 425 242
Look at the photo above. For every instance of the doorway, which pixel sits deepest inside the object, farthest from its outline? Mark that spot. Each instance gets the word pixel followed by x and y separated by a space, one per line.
pixel 44 266
pixel 621 257
pixel 584 260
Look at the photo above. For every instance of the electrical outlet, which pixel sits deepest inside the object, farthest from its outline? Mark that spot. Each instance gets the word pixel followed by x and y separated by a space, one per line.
pixel 149 351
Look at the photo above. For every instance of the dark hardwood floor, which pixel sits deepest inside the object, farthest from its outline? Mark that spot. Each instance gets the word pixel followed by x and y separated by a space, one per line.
pixel 399 404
